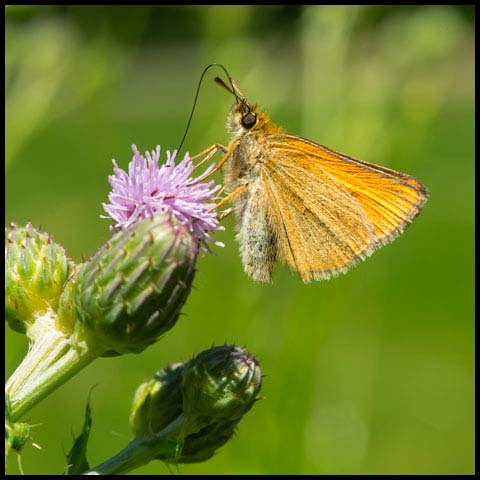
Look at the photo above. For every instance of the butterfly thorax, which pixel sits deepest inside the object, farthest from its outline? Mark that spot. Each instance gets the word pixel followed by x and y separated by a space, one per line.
pixel 245 163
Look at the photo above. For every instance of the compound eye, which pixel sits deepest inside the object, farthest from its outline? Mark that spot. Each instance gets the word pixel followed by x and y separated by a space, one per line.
pixel 249 120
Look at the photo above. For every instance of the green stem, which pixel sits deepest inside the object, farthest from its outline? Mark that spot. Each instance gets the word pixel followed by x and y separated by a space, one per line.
pixel 142 450
pixel 49 363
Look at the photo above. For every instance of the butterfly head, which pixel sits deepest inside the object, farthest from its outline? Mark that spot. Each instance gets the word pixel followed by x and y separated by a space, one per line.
pixel 244 117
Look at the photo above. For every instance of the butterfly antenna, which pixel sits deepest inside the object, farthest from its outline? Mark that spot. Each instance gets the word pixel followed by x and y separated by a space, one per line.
pixel 205 70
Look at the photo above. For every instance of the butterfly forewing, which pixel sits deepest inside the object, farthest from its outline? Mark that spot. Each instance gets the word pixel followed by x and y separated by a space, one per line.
pixel 389 199
pixel 331 210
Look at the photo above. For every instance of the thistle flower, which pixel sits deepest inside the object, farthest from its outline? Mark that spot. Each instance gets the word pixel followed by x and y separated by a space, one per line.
pixel 122 299
pixel 149 189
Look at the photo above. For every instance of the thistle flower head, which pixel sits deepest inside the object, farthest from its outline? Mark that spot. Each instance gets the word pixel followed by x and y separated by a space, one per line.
pixel 149 189
pixel 133 289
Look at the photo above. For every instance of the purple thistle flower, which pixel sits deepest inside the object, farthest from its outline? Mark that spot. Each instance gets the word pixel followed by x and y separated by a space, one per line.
pixel 149 189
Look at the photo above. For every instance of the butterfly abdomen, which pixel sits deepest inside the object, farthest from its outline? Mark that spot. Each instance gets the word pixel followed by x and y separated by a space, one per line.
pixel 257 239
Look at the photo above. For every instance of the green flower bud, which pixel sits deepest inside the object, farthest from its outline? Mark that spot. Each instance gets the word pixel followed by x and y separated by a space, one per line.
pixel 202 445
pixel 36 269
pixel 16 435
pixel 132 290
pixel 189 410
pixel 205 398
pixel 220 385
pixel 157 402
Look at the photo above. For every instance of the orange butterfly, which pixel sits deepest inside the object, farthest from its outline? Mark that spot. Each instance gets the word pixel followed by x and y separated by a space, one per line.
pixel 318 210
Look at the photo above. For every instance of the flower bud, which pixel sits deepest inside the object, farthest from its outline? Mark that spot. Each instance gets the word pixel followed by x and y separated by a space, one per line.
pixel 208 394
pixel 202 445
pixel 16 434
pixel 157 402
pixel 36 269
pixel 220 384
pixel 132 290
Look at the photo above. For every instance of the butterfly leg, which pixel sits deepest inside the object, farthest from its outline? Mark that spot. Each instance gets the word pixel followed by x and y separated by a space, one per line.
pixel 220 193
pixel 226 156
pixel 215 147
pixel 208 153
pixel 225 213
pixel 229 197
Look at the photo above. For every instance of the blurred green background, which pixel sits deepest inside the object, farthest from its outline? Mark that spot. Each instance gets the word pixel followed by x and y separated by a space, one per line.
pixel 372 372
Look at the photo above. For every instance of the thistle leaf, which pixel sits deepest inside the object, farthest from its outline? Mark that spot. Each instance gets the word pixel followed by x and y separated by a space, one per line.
pixel 77 457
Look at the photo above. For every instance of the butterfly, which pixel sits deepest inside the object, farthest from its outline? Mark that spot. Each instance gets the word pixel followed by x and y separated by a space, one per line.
pixel 318 210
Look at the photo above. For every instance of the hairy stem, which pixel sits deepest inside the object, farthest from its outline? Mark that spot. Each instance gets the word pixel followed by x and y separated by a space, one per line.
pixel 50 362
pixel 142 450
